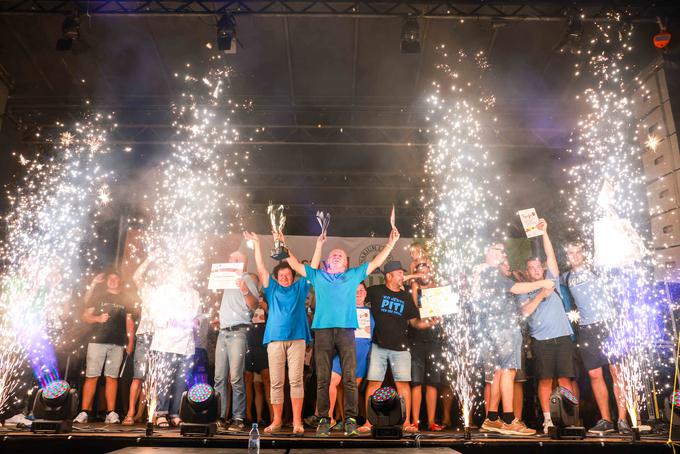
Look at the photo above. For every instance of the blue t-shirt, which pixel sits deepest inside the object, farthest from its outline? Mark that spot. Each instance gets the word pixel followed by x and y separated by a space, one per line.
pixel 287 312
pixel 549 320
pixel 589 296
pixel 336 296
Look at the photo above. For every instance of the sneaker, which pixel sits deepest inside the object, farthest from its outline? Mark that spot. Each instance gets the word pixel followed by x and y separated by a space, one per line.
pixel 351 427
pixel 81 418
pixel 324 428
pixel 517 427
pixel 434 427
pixel 237 425
pixel 312 421
pixel 624 427
pixel 546 426
pixel 112 418
pixel 492 426
pixel 339 426
pixel 19 420
pixel 602 427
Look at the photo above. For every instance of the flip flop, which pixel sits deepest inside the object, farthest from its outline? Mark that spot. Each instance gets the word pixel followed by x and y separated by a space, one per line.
pixel 272 429
pixel 364 429
pixel 299 430
pixel 411 428
pixel 162 422
pixel 128 421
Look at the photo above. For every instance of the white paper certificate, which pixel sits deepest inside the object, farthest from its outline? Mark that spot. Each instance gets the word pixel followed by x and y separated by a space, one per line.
pixel 435 302
pixel 529 220
pixel 224 275
pixel 364 330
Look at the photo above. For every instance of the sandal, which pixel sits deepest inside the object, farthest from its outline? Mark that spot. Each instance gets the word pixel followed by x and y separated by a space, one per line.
pixel 175 422
pixel 128 421
pixel 298 430
pixel 411 428
pixel 162 422
pixel 364 429
pixel 272 429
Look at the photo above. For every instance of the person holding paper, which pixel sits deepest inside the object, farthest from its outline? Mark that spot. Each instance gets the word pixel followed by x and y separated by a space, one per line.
pixel 549 327
pixel 394 311
pixel 235 317
pixel 595 313
pixel 286 333
pixel 362 341
pixel 335 320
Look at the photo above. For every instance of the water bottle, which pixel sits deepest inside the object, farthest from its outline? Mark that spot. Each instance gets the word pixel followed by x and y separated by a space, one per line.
pixel 254 440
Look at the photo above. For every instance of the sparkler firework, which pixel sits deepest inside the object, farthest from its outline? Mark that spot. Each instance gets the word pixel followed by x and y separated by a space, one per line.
pixel 607 201
pixel 52 220
pixel 461 205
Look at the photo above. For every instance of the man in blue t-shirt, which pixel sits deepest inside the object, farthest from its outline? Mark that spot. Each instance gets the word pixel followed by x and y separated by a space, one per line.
pixel 335 320
pixel 595 310
pixel 549 327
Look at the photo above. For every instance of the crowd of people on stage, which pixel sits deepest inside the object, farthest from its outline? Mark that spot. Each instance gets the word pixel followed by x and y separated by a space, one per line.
pixel 291 350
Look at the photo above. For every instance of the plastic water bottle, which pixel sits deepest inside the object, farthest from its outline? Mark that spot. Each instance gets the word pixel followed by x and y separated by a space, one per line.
pixel 254 440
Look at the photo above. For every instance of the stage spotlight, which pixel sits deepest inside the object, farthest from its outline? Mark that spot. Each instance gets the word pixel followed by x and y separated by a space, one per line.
pixel 226 34
pixel 54 408
pixel 571 41
pixel 564 415
pixel 199 411
pixel 70 32
pixel 410 36
pixel 387 413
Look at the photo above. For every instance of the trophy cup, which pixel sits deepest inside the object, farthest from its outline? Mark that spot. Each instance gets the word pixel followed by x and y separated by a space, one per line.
pixel 278 220
pixel 324 219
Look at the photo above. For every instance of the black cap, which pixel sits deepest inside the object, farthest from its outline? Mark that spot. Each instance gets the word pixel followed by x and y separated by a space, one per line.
pixel 393 266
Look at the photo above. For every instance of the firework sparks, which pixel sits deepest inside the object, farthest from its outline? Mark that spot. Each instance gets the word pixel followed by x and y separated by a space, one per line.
pixel 156 380
pixel 462 206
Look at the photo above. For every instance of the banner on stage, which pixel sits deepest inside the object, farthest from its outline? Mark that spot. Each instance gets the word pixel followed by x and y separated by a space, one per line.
pixel 529 220
pixel 224 276
pixel 364 330
pixel 435 302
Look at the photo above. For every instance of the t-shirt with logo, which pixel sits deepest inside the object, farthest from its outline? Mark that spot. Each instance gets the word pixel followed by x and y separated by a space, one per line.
pixel 548 321
pixel 589 296
pixel 336 296
pixel 391 312
pixel 114 330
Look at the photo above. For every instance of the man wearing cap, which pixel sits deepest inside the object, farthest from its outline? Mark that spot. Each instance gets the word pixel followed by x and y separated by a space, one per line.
pixel 335 320
pixel 393 310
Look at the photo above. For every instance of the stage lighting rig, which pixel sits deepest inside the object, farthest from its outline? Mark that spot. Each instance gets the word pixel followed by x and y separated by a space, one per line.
pixel 70 32
pixel 564 415
pixel 199 411
pixel 387 413
pixel 410 36
pixel 54 408
pixel 571 41
pixel 226 34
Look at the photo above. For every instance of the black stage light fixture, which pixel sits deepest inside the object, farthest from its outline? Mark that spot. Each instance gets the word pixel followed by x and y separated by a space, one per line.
pixel 199 411
pixel 410 36
pixel 226 34
pixel 564 415
pixel 571 41
pixel 387 413
pixel 70 32
pixel 54 408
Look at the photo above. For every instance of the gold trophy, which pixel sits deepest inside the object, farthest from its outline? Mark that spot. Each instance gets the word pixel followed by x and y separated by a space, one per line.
pixel 278 220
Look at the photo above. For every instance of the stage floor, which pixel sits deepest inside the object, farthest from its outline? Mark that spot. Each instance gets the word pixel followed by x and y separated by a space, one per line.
pixel 104 438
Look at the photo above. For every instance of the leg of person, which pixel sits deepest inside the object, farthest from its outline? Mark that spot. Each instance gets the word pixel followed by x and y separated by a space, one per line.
pixel 266 383
pixel 518 399
pixel 221 371
pixel 296 370
pixel 416 402
pixel 493 423
pixel 487 396
pixel 418 358
pixel 447 404
pixel 184 364
pixel 94 363
pixel 600 392
pixel 431 406
pixel 324 343
pixel 346 345
pixel 163 398
pixel 277 367
pixel 237 345
pixel 400 363
pixel 507 384
pixel 258 388
pixel 336 379
pixel 138 373
pixel 248 382
pixel 622 420
pixel 377 367
pixel 135 387
pixel 360 400
pixel 114 358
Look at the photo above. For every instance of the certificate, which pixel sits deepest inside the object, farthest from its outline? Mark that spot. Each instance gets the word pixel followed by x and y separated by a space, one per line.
pixel 224 276
pixel 529 220
pixel 364 318
pixel 435 302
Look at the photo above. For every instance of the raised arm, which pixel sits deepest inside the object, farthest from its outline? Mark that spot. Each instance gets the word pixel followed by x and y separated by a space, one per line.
pixel 525 287
pixel 382 256
pixel 294 263
pixel 138 277
pixel 261 269
pixel 318 250
pixel 98 279
pixel 551 259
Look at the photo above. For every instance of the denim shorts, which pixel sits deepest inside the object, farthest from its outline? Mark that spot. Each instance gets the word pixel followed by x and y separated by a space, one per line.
pixel 141 351
pixel 103 356
pixel 400 363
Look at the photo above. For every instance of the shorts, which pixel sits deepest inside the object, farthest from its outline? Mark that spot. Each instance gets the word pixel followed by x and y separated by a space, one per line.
pixel 554 358
pixel 589 344
pixel 256 359
pixel 400 363
pixel 140 359
pixel 363 349
pixel 103 356
pixel 426 360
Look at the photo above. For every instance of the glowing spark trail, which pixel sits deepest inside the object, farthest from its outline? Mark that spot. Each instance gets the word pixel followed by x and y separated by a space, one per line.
pixel 462 207
pixel 608 207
